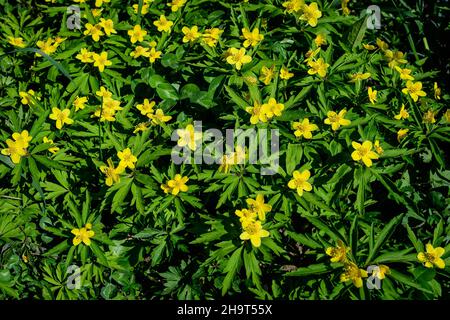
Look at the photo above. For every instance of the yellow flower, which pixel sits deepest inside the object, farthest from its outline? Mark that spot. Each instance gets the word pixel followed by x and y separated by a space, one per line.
pixel 176 4
pixel 14 150
pixel 272 108
pixel 364 152
pixel 48 47
pixel 80 103
pixel 146 107
pixel 285 74
pixel 259 206
pixel 190 35
pixel 101 60
pixel 178 184
pixel 253 231
pixel 394 58
pixel 320 40
pixel 369 47
pixel 17 42
pixel 141 127
pixel 85 56
pixel 414 89
pixel 337 120
pixel 401 134
pixel 153 55
pixel 353 273
pixel 344 6
pixel 112 173
pixel 127 159
pixel 144 9
pixel 27 97
pixel 304 128
pixel 94 31
pixel 140 51
pixel 188 137
pixel 212 36
pixel 82 235
pixel 381 272
pixel 52 149
pixel 22 139
pixel 104 93
pixel 257 113
pixel 311 14
pixel 246 216
pixel 109 108
pixel 163 24
pixel 237 57
pixel 372 95
pixel 96 12
pixel 158 117
pixel 359 76
pixel 405 74
pixel 382 45
pixel 339 253
pixel 299 182
pixel 432 257
pixel 267 74
pixel 61 117
pixel 446 116
pixel 251 38
pixel 108 26
pixel 99 3
pixel 293 5
pixel 437 91
pixel 428 117
pixel 137 34
pixel 403 114
pixel 378 147
pixel 319 67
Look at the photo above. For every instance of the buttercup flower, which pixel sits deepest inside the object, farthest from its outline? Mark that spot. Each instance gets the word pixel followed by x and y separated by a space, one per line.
pixel 378 148
pixel 381 271
pixel 153 55
pixel 112 173
pixel 259 206
pixel 353 273
pixel 212 36
pixel 82 235
pixel 108 26
pixel 364 152
pixel 253 231
pixel 405 74
pixel 53 149
pixel 414 89
pixel 372 95
pixel 304 128
pixel 437 91
pixel 338 253
pixel 403 114
pixel 251 38
pixel 311 14
pixel 246 216
pixel 237 57
pixel 146 107
pixel 85 56
pixel 27 97
pixel 188 137
pixel 80 103
pixel 299 182
pixel 257 113
pixel 178 184
pixel 359 76
pixel 285 74
pixel 336 120
pixel 428 117
pixel 293 5
pixel 61 117
pixel 101 61
pixel 432 257
pixel 395 58
pixel 137 34
pixel 318 67
pixel 127 159
pixel 163 24
pixel 267 74
pixel 94 31
pixel 401 134
pixel 320 40
pixel 140 51
pixel 272 108
pixel 190 35
pixel 17 42
pixel 175 5
pixel 158 117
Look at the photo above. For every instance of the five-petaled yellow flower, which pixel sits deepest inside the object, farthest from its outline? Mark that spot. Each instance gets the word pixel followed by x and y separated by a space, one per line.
pixel 318 67
pixel 188 137
pixel 311 14
pixel 17 42
pixel 251 38
pixel 414 89
pixel 83 235
pixel 259 206
pixel 137 34
pixel 176 185
pixel 285 74
pixel 338 253
pixel 101 60
pixel 432 257
pixel 336 120
pixel 112 173
pixel 299 182
pixel 246 216
pixel 267 74
pixel 403 114
pixel 127 159
pixel 353 273
pixel 304 128
pixel 372 95
pixel 401 134
pixel 163 24
pixel 94 31
pixel 364 152
pixel 153 55
pixel 190 35
pixel 405 74
pixel 237 57
pixel 253 231
pixel 61 117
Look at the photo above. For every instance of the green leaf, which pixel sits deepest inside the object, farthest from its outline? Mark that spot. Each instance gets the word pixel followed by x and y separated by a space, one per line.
pixel 231 268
